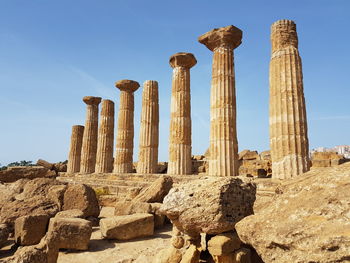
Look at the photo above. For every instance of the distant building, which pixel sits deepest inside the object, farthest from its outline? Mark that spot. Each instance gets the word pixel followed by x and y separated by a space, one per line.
pixel 340 149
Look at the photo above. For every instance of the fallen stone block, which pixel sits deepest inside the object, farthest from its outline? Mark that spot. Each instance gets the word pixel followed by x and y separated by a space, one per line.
pixel 156 192
pixel 82 197
pixel 224 244
pixel 130 207
pixel 73 233
pixel 30 229
pixel 73 213
pixel 127 227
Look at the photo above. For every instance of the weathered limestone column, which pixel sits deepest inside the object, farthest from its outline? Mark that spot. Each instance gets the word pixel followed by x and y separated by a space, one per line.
pixel 104 159
pixel 89 148
pixel 180 147
pixel 149 129
pixel 125 134
pixel 288 125
pixel 74 156
pixel 223 133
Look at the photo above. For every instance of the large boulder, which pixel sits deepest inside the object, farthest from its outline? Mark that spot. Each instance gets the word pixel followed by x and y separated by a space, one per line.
pixel 12 174
pixel 127 227
pixel 82 197
pixel 32 206
pixel 123 208
pixel 307 221
pixel 156 192
pixel 30 229
pixel 209 205
pixel 73 233
pixel 30 197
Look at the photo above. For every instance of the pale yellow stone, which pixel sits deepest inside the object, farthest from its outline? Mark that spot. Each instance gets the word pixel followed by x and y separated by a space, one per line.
pixel 180 120
pixel 288 124
pixel 149 129
pixel 89 148
pixel 125 134
pixel 104 159
pixel 74 156
pixel 223 132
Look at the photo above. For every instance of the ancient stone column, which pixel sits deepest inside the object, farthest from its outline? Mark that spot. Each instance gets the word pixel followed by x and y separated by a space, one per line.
pixel 89 148
pixel 149 129
pixel 288 125
pixel 76 142
pixel 223 133
pixel 125 134
pixel 180 147
pixel 104 159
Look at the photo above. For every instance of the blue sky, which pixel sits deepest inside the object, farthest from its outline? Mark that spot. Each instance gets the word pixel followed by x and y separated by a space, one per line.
pixel 52 53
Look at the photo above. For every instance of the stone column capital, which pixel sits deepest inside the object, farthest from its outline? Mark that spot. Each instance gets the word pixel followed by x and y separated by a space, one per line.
pixel 182 59
pixel 229 36
pixel 127 85
pixel 90 100
pixel 283 34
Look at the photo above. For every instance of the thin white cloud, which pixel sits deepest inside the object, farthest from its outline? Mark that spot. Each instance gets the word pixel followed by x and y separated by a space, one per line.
pixel 92 82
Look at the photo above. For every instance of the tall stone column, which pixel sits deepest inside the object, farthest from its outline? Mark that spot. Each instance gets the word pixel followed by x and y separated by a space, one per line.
pixel 288 125
pixel 125 134
pixel 223 147
pixel 149 129
pixel 89 148
pixel 74 156
pixel 180 147
pixel 104 159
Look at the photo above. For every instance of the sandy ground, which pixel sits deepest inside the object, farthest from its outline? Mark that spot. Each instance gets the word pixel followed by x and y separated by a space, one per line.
pixel 141 250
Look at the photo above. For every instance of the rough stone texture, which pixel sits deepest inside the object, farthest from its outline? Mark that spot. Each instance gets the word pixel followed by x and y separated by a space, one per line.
pixel 4 234
pixel 168 255
pixel 89 146
pixel 82 197
pixel 76 142
pixel 56 194
pixel 288 124
pixel 73 213
pixel 156 192
pixel 73 233
pixel 127 227
pixel 191 255
pixel 12 174
pixel 122 208
pixel 209 205
pixel 104 159
pixel 224 244
pixel 125 133
pixel 35 198
pixel 9 191
pixel 327 159
pixel 180 143
pixel 44 252
pixel 250 163
pixel 223 131
pixel 30 229
pixel 308 221
pixel 149 129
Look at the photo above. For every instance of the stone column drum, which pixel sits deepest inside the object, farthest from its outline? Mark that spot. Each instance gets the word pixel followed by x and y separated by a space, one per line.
pixel 288 125
pixel 125 134
pixel 180 147
pixel 104 159
pixel 89 148
pixel 223 147
pixel 149 129
pixel 74 156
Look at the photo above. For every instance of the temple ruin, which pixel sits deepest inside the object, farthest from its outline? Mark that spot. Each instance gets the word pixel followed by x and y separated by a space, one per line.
pixel 288 125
